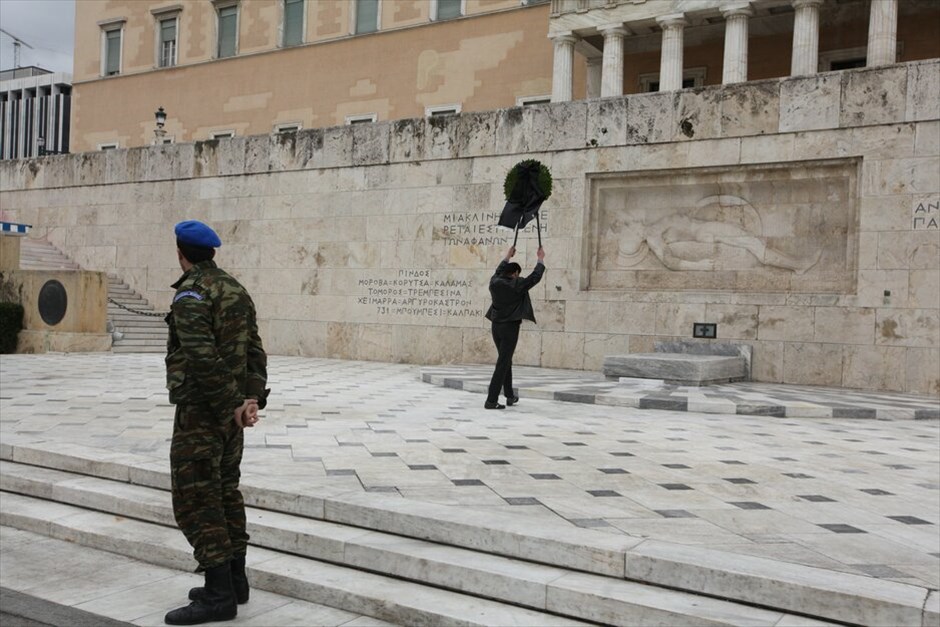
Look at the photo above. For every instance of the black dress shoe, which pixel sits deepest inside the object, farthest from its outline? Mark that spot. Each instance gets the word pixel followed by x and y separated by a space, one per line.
pixel 512 400
pixel 490 405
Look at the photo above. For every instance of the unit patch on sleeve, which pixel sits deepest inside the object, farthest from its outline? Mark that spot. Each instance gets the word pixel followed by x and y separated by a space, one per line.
pixel 188 294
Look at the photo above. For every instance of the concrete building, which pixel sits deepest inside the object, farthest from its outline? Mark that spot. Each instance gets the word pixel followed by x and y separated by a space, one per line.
pixel 35 108
pixel 243 67
pixel 247 67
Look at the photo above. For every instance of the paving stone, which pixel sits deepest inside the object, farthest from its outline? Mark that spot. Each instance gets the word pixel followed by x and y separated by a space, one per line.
pixel 618 448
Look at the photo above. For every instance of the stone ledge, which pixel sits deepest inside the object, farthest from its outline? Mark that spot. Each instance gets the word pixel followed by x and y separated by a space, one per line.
pixel 786 104
pixel 678 368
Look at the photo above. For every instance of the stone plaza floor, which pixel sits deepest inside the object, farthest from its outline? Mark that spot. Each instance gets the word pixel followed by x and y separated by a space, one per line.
pixel 848 494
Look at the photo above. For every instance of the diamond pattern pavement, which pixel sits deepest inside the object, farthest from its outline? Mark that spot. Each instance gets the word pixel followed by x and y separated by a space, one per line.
pixel 860 496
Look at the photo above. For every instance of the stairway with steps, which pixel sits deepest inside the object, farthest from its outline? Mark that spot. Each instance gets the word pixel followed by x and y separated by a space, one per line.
pixel 139 333
pixel 409 562
pixel 38 254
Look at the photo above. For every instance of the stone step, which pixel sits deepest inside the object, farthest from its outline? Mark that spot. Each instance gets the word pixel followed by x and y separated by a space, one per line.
pixel 124 317
pixel 133 301
pixel 59 259
pixel 95 587
pixel 136 326
pixel 769 583
pixel 578 595
pixel 115 312
pixel 143 332
pixel 138 349
pixel 43 264
pixel 139 334
pixel 135 341
pixel 124 292
pixel 314 581
pixel 42 255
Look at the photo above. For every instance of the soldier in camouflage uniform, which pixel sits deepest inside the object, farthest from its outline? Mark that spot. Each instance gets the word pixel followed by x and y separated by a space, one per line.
pixel 216 375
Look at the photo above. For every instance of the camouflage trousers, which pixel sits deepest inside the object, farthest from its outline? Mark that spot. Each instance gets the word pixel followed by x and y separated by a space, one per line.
pixel 204 468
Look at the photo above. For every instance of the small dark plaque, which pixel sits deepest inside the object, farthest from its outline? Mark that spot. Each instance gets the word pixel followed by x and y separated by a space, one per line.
pixel 707 330
pixel 53 302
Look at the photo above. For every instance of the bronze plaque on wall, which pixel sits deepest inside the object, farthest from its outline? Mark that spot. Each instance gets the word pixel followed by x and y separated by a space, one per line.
pixel 53 302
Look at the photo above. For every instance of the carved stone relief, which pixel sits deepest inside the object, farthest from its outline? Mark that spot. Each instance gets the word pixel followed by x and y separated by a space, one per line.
pixel 752 228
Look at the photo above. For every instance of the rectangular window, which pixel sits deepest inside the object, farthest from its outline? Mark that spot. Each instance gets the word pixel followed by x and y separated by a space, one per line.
pixel 367 16
pixel 221 134
pixel 113 146
pixel 691 77
pixel 360 119
pixel 112 51
pixel 442 110
pixel 448 9
pixel 843 59
pixel 293 22
pixel 168 42
pixel 228 31
pixel 289 127
pixel 528 101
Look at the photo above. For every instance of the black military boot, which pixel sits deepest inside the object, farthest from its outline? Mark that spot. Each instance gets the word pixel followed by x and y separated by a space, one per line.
pixel 217 603
pixel 239 583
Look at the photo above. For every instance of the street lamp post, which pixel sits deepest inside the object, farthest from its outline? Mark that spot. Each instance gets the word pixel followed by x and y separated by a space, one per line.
pixel 41 148
pixel 160 131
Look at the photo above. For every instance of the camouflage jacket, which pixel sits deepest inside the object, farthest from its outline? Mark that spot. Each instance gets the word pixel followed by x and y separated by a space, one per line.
pixel 214 353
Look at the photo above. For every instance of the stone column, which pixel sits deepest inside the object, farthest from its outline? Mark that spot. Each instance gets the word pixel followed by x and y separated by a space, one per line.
pixel 735 61
pixel 882 33
pixel 805 55
pixel 562 68
pixel 594 65
pixel 612 73
pixel 670 68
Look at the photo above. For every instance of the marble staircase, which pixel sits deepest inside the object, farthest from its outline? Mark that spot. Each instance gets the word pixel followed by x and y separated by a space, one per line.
pixel 38 254
pixel 410 562
pixel 140 332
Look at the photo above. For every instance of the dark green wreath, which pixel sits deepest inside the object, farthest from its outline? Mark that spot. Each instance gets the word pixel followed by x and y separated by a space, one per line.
pixel 544 180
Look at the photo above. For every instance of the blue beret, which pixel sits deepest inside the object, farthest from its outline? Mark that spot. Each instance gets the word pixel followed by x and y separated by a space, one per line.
pixel 195 233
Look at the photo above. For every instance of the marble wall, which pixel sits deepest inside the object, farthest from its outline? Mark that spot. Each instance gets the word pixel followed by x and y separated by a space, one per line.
pixel 815 202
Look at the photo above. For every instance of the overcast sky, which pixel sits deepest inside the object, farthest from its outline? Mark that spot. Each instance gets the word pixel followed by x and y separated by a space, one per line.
pixel 46 25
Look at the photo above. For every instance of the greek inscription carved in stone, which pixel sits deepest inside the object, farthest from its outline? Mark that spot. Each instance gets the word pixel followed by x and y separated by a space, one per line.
pixel 926 215
pixel 417 293
pixel 479 229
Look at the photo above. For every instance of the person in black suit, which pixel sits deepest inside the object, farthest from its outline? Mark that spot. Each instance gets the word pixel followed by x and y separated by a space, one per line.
pixel 511 305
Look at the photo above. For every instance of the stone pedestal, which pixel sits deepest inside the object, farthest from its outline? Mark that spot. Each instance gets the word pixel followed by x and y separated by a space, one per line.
pixel 684 362
pixel 678 368
pixel 82 324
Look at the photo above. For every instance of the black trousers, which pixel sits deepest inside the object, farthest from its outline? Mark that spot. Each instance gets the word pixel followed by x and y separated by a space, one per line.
pixel 505 336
